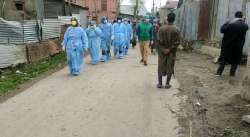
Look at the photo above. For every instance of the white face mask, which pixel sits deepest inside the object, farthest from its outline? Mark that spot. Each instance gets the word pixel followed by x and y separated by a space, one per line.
pixel 105 21
pixel 119 21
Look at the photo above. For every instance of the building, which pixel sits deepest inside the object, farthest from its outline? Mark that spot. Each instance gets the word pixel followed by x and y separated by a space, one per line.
pixel 99 8
pixel 55 8
pixel 18 9
pixel 166 9
pixel 39 9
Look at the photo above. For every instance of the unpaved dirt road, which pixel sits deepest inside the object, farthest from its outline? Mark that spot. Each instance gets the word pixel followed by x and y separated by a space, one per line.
pixel 115 99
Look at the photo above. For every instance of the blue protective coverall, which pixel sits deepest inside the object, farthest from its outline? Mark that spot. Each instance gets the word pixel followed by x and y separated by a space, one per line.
pixel 129 37
pixel 120 36
pixel 106 40
pixel 94 36
pixel 75 41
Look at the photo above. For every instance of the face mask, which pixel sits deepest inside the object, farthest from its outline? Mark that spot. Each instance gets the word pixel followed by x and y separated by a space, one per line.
pixel 126 22
pixel 119 21
pixel 73 23
pixel 105 21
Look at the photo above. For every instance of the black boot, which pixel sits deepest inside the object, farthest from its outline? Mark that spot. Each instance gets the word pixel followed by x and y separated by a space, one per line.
pixel 159 85
pixel 221 68
pixel 233 70
pixel 168 86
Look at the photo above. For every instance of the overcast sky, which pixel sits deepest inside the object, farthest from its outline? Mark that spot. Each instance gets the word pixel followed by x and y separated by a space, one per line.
pixel 149 3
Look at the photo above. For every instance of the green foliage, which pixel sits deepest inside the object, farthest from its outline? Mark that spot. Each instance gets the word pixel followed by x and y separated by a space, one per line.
pixel 228 132
pixel 10 79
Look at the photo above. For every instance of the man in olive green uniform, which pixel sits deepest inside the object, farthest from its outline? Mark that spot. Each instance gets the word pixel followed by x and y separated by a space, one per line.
pixel 168 40
pixel 144 33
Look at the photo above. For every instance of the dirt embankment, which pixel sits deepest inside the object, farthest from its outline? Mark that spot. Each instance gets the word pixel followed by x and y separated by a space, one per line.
pixel 214 107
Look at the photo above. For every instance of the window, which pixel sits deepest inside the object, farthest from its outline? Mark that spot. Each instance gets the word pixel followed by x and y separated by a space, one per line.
pixel 104 5
pixel 19 6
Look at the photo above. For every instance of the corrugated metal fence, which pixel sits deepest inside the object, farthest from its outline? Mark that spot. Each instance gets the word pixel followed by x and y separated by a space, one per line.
pixel 19 40
pixel 13 32
pixel 188 16
pixel 247 44
pixel 226 11
pixel 191 21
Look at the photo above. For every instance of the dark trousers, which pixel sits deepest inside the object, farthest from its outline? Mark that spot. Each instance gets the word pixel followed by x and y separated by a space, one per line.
pixel 222 67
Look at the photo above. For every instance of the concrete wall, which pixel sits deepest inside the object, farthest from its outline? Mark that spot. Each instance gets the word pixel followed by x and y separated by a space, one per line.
pixel 10 12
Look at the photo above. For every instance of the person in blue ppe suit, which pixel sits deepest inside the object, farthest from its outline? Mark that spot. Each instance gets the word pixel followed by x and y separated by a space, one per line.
pixel 94 36
pixel 119 36
pixel 106 28
pixel 75 41
pixel 129 30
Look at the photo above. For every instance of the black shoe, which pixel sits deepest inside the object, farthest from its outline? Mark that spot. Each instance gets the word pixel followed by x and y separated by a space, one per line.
pixel 141 61
pixel 232 75
pixel 168 86
pixel 159 85
pixel 145 64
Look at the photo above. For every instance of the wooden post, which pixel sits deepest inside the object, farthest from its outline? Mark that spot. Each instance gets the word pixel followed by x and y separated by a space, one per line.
pixel 64 8
pixel 136 9
pixel 118 8
pixel 153 8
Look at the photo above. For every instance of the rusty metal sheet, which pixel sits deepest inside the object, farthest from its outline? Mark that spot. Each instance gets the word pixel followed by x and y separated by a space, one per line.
pixel 204 19
pixel 187 20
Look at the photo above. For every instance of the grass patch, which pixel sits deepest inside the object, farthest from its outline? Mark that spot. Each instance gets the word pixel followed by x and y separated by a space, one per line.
pixel 10 79
pixel 228 132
